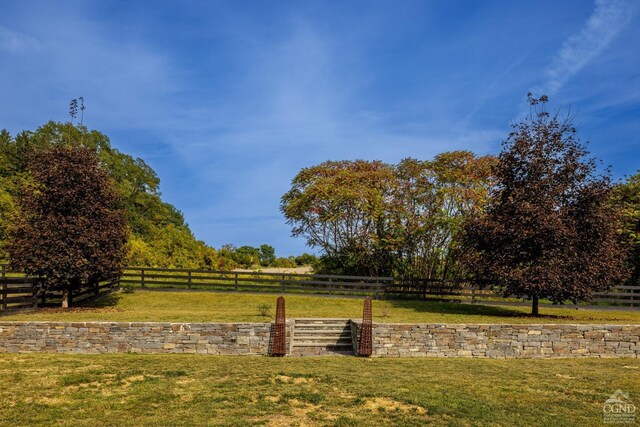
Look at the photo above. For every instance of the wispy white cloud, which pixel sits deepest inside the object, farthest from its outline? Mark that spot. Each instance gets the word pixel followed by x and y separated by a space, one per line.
pixel 17 42
pixel 608 18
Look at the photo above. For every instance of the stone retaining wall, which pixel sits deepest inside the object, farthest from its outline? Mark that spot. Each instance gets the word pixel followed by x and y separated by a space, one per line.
pixel 389 340
pixel 505 341
pixel 143 337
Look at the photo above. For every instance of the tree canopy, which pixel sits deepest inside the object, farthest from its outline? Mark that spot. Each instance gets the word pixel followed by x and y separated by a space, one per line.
pixel 627 198
pixel 373 218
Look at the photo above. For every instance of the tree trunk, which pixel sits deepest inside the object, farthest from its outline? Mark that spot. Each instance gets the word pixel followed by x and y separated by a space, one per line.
pixel 534 305
pixel 65 297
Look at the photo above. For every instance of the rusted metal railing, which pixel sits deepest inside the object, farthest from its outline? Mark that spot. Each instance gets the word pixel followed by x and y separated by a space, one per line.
pixel 280 330
pixel 365 342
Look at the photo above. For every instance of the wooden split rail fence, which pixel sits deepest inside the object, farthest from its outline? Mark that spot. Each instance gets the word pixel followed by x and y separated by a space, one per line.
pixel 154 278
pixel 54 296
pixel 468 291
pixel 18 292
pixel 427 289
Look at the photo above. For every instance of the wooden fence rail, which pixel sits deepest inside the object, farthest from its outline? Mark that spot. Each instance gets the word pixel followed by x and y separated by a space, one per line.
pixel 18 292
pixel 468 291
pixel 152 278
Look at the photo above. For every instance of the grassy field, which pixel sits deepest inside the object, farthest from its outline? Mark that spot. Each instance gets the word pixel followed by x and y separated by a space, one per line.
pixel 155 390
pixel 163 306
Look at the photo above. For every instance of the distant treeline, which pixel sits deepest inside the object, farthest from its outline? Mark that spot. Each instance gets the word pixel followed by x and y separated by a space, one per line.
pixel 264 256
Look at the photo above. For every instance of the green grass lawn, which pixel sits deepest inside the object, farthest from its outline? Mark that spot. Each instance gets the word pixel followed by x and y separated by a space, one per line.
pixel 191 390
pixel 195 306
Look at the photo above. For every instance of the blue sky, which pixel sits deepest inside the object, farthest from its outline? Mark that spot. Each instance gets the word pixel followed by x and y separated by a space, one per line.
pixel 227 101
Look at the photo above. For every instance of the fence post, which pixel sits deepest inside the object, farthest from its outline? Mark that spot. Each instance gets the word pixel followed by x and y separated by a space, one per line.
pixel 34 294
pixel 283 279
pixel 189 279
pixel 4 288
pixel 235 281
pixel 142 277
pixel 473 293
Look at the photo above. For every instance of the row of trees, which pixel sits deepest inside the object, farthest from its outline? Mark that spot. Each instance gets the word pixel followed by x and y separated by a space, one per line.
pixel 539 220
pixel 264 256
pixel 372 218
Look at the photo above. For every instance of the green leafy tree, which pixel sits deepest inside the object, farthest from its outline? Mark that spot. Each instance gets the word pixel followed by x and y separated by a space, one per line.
pixel 305 259
pixel 246 256
pixel 267 255
pixel 70 231
pixel 7 211
pixel 431 200
pixel 289 262
pixel 343 209
pixel 549 229
pixel 627 198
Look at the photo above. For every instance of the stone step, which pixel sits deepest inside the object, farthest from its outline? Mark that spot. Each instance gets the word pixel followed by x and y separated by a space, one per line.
pixel 319 351
pixel 322 344
pixel 317 338
pixel 324 327
pixel 320 322
pixel 323 331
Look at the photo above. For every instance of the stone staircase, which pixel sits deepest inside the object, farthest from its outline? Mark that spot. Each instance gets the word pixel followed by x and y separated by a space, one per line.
pixel 321 337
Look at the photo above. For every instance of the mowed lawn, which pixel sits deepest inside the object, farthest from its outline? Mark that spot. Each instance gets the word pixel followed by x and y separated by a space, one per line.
pixel 182 306
pixel 192 390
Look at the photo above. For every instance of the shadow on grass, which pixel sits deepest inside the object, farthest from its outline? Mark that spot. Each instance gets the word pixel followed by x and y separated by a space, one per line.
pixel 479 310
pixel 105 302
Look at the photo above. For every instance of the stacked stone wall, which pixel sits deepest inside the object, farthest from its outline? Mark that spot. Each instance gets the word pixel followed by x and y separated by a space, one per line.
pixel 505 341
pixel 145 337
pixel 389 340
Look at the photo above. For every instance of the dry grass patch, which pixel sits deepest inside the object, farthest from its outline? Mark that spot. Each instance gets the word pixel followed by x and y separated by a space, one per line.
pixel 385 404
